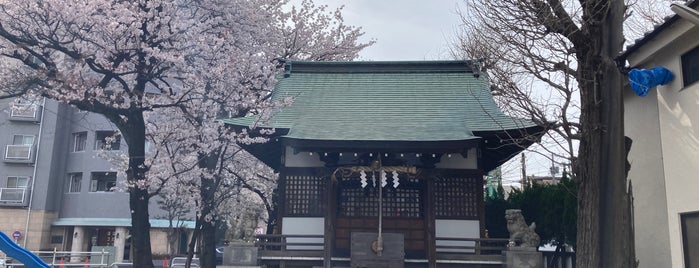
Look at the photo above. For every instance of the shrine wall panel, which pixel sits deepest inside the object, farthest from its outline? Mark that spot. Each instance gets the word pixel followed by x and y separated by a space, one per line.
pixel 304 226
pixel 457 161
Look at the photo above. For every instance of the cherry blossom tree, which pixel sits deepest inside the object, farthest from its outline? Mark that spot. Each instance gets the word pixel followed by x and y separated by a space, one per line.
pixel 208 152
pixel 312 32
pixel 175 210
pixel 131 60
pixel 127 59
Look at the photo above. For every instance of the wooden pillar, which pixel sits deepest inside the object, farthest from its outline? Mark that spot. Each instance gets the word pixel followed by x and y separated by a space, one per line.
pixel 281 204
pixel 330 213
pixel 430 220
pixel 481 204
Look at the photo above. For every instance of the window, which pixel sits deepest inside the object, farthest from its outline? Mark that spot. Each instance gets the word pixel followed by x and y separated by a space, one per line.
pixel 15 190
pixel 75 181
pixel 457 198
pixel 17 182
pixel 107 140
pixel 305 196
pixel 402 202
pixel 690 66
pixel 23 140
pixel 690 238
pixel 79 141
pixel 102 181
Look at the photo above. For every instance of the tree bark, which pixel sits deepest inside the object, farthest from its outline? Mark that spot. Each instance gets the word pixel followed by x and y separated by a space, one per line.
pixel 205 219
pixel 140 228
pixel 134 132
pixel 192 244
pixel 207 258
pixel 604 216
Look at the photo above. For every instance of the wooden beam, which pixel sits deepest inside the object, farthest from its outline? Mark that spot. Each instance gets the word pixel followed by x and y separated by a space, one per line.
pixel 281 209
pixel 330 213
pixel 481 206
pixel 430 220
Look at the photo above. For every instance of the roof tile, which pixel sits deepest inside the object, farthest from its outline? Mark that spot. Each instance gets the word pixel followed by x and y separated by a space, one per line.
pixel 422 101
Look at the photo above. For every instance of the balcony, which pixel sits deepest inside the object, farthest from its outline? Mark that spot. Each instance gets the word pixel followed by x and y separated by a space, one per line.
pixel 19 154
pixel 25 112
pixel 14 196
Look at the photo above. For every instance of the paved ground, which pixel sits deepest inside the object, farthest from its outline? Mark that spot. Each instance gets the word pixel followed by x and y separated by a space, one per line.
pixel 159 264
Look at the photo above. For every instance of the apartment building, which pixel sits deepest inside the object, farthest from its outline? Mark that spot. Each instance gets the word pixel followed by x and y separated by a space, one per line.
pixel 56 192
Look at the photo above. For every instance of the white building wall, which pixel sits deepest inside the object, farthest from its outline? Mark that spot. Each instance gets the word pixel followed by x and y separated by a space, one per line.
pixel 678 123
pixel 646 174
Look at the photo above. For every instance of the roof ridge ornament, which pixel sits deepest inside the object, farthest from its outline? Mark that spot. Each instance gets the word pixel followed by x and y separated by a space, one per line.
pixel 287 69
pixel 476 66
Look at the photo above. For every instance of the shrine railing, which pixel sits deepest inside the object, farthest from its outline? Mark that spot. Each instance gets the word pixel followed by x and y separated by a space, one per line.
pixel 290 242
pixel 310 248
pixel 477 246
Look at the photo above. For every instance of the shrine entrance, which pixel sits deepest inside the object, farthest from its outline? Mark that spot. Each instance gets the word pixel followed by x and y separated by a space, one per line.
pixel 403 212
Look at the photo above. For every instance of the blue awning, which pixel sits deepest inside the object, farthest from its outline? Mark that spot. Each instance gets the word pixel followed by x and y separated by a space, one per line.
pixel 118 222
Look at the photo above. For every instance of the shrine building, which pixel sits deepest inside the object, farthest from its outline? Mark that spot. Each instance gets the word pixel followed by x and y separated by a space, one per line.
pixel 383 157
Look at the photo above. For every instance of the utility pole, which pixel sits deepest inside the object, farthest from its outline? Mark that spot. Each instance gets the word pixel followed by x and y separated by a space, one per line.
pixel 554 169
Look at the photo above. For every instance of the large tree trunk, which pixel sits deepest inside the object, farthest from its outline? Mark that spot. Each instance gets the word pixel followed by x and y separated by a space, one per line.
pixel 208 246
pixel 208 225
pixel 191 248
pixel 604 218
pixel 206 219
pixel 134 132
pixel 140 228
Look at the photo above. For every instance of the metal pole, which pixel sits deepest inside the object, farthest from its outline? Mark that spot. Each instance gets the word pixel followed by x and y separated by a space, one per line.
pixel 36 166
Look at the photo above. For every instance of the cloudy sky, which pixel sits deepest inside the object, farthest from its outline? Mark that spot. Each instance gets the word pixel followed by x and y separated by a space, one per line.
pixel 403 29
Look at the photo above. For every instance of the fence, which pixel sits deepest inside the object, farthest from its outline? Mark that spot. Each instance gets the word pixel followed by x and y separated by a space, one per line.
pixel 67 259
pixel 553 259
pixel 308 249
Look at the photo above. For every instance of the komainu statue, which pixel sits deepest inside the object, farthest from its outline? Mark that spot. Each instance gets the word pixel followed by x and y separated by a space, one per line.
pixel 519 231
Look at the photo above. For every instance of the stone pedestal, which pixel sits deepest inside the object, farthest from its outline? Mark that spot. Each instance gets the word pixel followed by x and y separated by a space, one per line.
pixel 240 254
pixel 523 258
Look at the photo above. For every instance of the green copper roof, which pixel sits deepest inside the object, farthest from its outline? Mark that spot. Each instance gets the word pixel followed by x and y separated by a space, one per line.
pixel 385 101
